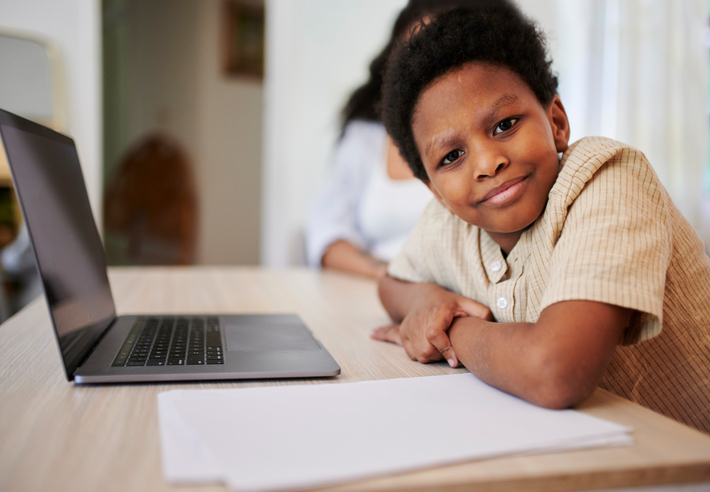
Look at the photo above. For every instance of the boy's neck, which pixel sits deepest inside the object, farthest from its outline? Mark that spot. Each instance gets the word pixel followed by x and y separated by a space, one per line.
pixel 506 241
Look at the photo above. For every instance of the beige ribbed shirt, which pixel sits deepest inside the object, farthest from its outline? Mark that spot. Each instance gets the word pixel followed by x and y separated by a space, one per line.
pixel 609 233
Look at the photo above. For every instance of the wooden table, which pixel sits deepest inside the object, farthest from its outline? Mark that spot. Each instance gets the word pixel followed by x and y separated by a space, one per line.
pixel 55 436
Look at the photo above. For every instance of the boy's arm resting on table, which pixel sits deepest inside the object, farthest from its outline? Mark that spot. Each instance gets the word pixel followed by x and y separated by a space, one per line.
pixel 554 363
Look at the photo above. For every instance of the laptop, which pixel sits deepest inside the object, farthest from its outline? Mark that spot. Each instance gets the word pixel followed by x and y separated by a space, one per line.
pixel 95 345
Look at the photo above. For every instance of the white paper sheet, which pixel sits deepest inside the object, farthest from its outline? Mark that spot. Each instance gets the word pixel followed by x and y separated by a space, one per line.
pixel 184 456
pixel 297 437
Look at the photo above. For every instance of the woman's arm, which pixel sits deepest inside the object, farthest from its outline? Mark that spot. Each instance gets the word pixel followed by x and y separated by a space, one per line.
pixel 345 256
pixel 554 363
pixel 333 213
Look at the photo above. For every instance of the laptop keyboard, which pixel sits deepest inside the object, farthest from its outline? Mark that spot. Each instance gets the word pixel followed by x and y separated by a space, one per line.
pixel 172 341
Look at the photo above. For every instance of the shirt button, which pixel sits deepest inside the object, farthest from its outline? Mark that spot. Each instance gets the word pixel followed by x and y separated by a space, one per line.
pixel 502 302
pixel 495 266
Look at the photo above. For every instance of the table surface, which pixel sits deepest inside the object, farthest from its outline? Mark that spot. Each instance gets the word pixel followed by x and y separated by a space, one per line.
pixel 57 436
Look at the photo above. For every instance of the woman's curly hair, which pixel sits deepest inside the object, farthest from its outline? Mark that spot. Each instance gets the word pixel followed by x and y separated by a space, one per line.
pixel 501 35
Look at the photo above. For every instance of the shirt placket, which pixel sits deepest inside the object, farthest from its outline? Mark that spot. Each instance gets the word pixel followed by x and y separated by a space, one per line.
pixel 499 296
pixel 502 296
pixel 504 276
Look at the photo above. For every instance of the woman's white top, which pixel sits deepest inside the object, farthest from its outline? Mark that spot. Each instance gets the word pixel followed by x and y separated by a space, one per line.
pixel 360 203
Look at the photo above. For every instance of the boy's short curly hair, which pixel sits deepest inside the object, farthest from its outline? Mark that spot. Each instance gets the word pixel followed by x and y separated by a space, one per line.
pixel 499 35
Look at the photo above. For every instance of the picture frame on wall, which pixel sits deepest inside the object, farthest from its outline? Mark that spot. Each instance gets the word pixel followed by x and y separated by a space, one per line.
pixel 243 38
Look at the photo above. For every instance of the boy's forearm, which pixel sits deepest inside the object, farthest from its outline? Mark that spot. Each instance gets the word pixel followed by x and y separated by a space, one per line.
pixel 397 296
pixel 492 351
pixel 544 363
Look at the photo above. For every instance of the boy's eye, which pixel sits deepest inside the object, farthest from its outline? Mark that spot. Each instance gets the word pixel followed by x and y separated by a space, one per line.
pixel 505 125
pixel 452 156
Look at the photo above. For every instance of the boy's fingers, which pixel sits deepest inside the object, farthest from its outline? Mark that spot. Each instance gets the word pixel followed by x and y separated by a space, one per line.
pixel 441 342
pixel 473 308
pixel 389 333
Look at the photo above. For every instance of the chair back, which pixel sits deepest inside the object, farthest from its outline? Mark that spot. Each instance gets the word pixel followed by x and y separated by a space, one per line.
pixel 150 206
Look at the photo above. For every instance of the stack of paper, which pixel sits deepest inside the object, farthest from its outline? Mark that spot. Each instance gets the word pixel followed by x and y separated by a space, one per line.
pixel 296 437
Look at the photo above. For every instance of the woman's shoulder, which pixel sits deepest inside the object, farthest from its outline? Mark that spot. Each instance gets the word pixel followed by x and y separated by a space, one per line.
pixel 361 147
pixel 364 130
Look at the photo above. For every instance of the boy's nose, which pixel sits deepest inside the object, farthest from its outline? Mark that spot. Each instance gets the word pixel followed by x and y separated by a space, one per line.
pixel 488 165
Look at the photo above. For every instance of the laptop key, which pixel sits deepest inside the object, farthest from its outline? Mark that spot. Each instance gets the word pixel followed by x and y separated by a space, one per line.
pixel 125 350
pixel 172 342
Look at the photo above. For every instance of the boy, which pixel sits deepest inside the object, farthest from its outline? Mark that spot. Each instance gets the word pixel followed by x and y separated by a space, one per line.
pixel 545 277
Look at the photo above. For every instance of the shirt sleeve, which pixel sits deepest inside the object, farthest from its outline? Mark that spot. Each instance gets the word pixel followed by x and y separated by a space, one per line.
pixel 333 215
pixel 615 244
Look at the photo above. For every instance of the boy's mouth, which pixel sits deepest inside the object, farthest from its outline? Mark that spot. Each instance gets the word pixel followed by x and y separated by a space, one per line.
pixel 506 192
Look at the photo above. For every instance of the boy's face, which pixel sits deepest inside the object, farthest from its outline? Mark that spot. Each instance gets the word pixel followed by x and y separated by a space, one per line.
pixel 490 148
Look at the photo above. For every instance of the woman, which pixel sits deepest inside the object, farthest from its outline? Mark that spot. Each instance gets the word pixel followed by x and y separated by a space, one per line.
pixel 363 216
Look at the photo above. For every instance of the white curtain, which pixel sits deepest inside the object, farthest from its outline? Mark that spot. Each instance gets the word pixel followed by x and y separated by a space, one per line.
pixel 637 71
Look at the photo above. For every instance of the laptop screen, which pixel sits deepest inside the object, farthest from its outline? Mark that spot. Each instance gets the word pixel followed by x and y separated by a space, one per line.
pixel 70 257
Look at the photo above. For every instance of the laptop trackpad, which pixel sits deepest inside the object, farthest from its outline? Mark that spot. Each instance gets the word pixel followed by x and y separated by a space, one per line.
pixel 264 338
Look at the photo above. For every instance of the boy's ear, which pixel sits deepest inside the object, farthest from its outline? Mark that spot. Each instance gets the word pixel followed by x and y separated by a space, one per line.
pixel 559 124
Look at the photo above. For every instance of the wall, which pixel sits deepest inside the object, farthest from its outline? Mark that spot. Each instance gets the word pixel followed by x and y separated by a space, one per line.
pixel 74 25
pixel 231 139
pixel 28 89
pixel 318 51
pixel 168 78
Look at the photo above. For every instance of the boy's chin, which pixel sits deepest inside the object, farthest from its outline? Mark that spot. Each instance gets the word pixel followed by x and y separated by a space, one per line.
pixel 508 222
pixel 510 234
pixel 511 229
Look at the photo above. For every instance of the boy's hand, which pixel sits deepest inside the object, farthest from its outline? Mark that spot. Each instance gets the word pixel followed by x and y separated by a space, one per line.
pixel 422 332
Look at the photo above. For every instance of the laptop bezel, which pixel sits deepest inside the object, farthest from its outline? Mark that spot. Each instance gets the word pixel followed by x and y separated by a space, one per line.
pixel 77 351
